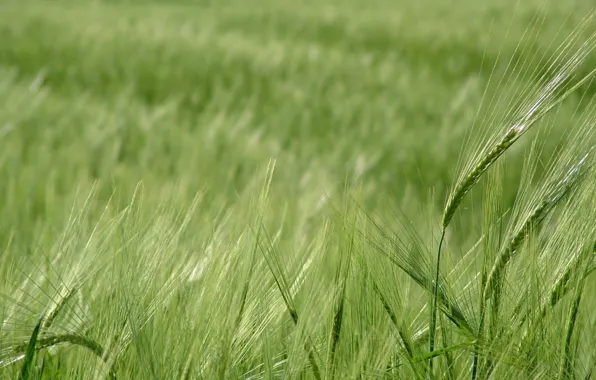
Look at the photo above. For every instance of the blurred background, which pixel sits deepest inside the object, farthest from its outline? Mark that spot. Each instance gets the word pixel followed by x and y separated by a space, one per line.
pixel 199 96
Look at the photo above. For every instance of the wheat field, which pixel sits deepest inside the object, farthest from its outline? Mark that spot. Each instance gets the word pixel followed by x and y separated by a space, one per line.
pixel 268 189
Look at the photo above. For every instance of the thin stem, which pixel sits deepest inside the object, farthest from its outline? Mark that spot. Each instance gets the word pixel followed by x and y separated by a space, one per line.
pixel 479 339
pixel 433 309
pixel 445 342
pixel 30 350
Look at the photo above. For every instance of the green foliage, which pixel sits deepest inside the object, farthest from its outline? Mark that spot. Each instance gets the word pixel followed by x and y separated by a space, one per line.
pixel 226 189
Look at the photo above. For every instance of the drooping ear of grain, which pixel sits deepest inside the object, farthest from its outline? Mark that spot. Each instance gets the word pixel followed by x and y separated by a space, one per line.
pixel 50 340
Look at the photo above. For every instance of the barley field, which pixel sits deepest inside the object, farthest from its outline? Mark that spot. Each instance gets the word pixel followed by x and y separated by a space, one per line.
pixel 344 189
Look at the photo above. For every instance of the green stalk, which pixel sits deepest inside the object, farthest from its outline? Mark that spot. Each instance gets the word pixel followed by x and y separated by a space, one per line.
pixel 30 350
pixel 433 309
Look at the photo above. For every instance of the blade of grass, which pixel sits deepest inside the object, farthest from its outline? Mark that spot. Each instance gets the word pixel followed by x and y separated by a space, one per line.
pixel 340 304
pixel 566 370
pixel 283 287
pixel 30 350
pixel 405 341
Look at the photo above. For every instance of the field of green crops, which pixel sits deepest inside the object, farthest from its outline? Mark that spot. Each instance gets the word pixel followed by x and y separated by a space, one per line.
pixel 245 189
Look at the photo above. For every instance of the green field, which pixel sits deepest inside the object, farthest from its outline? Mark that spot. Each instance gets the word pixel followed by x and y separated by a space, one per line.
pixel 259 189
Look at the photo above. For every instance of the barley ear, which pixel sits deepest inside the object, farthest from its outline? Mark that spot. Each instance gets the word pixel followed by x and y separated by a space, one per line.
pixel 463 187
pixel 548 98
pixel 57 307
pixel 561 287
pixel 553 195
pixel 54 340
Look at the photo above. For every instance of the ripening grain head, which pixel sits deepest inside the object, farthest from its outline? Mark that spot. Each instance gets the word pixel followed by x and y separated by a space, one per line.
pixel 537 106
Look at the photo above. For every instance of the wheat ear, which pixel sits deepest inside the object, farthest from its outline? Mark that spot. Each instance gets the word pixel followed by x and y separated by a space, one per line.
pixel 561 287
pixel 546 100
pixel 57 307
pixel 534 218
